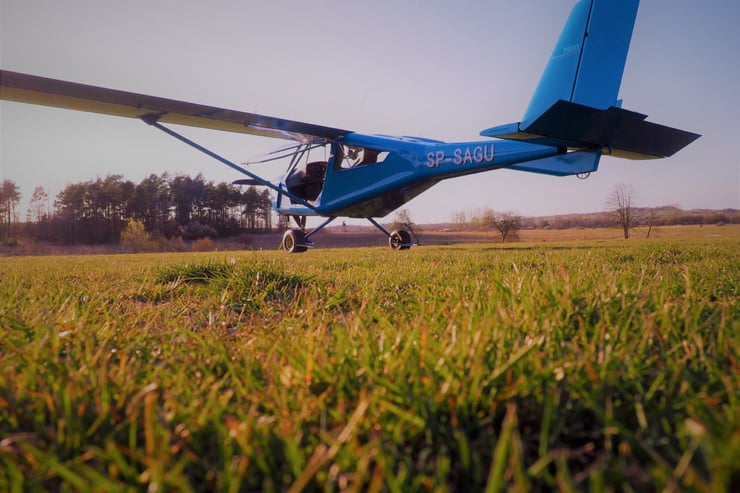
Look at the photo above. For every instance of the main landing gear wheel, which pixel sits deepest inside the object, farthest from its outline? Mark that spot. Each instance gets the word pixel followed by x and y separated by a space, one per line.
pixel 294 241
pixel 400 240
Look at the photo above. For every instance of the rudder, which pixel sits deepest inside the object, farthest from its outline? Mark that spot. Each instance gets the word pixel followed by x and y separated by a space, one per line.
pixel 588 61
pixel 575 104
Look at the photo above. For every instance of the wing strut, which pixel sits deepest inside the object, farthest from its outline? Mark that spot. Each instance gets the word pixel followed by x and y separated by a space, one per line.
pixel 153 120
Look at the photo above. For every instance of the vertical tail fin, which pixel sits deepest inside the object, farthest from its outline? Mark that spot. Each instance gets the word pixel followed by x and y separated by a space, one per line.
pixel 575 104
pixel 587 63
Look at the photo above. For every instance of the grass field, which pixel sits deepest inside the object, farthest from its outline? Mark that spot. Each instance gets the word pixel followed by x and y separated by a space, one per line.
pixel 597 365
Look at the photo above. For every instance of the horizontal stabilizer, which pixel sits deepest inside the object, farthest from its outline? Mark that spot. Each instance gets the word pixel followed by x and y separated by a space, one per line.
pixel 567 164
pixel 619 132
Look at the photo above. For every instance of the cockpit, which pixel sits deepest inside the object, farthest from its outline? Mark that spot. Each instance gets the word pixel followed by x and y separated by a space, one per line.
pixel 309 164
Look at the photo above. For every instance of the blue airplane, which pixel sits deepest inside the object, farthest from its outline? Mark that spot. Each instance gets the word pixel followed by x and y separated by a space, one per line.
pixel 573 118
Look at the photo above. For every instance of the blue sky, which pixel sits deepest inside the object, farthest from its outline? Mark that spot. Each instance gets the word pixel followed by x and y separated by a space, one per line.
pixel 436 69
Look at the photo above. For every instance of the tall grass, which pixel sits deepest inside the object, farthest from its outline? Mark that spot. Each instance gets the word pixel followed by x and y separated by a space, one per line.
pixel 605 366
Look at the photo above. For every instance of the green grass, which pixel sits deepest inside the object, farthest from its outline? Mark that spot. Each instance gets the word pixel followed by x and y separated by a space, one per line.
pixel 603 365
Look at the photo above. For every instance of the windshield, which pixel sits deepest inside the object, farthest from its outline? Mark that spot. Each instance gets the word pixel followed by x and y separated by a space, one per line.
pixel 288 151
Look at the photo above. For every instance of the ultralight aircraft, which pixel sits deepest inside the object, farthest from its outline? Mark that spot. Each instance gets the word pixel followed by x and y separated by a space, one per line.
pixel 573 118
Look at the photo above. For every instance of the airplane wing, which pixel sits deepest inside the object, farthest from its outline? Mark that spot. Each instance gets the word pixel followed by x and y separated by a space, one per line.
pixel 25 88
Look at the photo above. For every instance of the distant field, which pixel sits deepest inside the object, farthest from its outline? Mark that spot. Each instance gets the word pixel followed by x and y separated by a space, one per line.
pixel 637 235
pixel 369 237
pixel 576 364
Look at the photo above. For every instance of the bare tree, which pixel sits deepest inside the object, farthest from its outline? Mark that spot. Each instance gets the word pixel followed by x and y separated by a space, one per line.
pixel 508 224
pixel 622 208
pixel 651 219
pixel 484 219
pixel 460 220
pixel 38 205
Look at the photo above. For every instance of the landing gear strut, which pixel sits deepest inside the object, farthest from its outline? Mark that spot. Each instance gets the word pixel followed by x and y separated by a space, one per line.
pixel 298 241
pixel 399 239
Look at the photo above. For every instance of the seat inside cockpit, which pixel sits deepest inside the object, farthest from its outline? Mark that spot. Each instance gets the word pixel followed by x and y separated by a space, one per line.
pixel 307 181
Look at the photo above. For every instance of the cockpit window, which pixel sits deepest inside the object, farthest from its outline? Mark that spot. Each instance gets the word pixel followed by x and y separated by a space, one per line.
pixel 354 156
pixel 307 171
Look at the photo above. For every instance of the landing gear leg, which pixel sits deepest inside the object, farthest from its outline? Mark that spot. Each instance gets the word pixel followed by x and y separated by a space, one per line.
pixel 300 222
pixel 399 239
pixel 297 240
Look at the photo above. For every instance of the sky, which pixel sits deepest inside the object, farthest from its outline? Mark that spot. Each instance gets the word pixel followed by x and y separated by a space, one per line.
pixel 437 69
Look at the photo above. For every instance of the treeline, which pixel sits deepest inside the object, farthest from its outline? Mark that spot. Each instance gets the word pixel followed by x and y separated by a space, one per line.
pixel 478 220
pixel 97 211
pixel 644 216
pixel 9 198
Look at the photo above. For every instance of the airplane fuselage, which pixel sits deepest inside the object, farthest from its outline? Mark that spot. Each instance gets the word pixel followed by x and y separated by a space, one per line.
pixel 410 166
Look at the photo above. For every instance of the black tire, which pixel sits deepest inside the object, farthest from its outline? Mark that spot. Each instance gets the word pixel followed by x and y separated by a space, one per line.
pixel 294 241
pixel 400 239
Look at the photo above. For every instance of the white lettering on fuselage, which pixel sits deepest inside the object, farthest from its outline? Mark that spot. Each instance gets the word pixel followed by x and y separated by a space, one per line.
pixel 461 155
